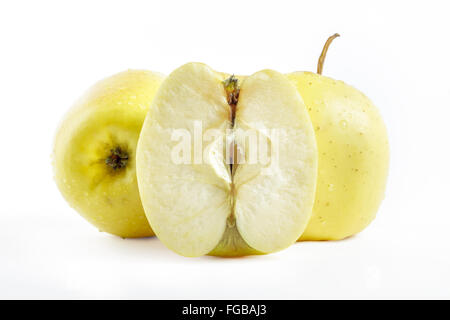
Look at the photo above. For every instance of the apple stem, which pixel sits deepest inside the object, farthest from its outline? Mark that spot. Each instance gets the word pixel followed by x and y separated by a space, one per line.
pixel 324 52
pixel 231 86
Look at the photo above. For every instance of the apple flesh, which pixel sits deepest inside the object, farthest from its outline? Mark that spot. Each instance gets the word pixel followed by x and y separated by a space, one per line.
pixel 95 153
pixel 353 155
pixel 211 206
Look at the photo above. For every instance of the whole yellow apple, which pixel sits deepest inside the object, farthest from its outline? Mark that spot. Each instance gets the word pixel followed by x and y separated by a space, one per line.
pixel 95 152
pixel 353 155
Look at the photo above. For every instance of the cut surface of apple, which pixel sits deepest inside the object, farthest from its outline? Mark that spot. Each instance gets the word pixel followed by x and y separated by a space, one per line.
pixel 225 172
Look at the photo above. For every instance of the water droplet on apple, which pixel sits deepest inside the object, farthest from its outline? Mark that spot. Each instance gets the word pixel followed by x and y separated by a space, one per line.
pixel 343 124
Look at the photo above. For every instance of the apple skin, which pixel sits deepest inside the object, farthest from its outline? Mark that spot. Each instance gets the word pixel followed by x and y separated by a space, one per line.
pixel 353 156
pixel 109 115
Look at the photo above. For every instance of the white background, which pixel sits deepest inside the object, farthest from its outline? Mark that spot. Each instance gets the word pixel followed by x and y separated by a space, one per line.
pixel 396 52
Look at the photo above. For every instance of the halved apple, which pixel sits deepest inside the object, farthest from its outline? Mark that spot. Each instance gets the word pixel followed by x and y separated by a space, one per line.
pixel 203 189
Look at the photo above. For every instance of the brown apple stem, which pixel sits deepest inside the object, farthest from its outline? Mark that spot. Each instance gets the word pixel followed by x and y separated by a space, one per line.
pixel 231 85
pixel 324 52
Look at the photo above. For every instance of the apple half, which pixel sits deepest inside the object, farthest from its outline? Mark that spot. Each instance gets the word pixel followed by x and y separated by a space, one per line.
pixel 203 189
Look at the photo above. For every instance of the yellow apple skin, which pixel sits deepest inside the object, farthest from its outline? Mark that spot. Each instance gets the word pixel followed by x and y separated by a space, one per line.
pixel 109 115
pixel 353 156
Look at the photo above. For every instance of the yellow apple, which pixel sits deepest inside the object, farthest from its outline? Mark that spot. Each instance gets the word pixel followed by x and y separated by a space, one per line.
pixel 200 203
pixel 95 152
pixel 353 155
